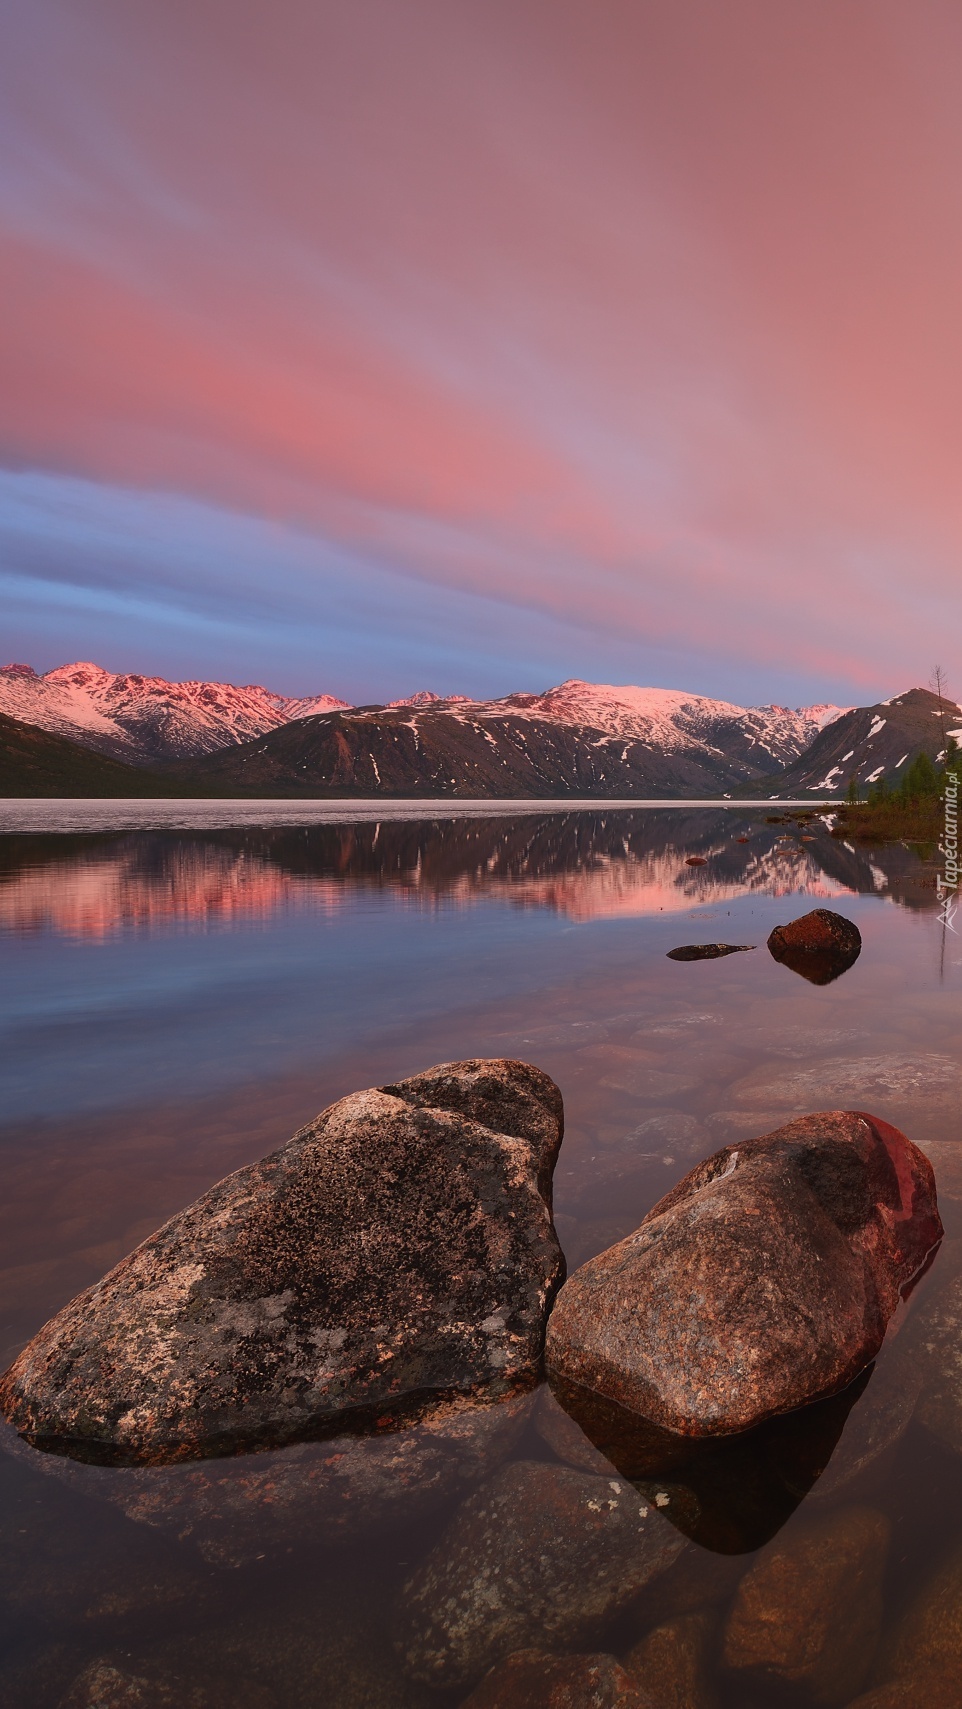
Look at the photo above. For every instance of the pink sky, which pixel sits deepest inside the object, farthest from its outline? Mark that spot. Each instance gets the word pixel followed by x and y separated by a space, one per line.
pixel 485 341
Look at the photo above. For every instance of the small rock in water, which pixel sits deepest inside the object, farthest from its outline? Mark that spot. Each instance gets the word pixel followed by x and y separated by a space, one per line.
pixel 540 1556
pixel 705 952
pixel 809 1610
pixel 763 1281
pixel 532 1680
pixel 398 1252
pixel 696 860
pixel 820 946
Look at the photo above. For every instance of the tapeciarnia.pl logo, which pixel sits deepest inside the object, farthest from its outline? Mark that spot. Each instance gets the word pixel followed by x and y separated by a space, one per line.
pixel 947 883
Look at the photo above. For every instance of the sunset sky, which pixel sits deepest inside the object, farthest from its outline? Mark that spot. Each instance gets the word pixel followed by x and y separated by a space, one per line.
pixel 358 346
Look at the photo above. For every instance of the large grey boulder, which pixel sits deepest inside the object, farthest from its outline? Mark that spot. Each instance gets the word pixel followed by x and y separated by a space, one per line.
pixel 398 1252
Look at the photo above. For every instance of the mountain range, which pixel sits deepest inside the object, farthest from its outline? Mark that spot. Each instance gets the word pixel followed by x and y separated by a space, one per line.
pixel 150 736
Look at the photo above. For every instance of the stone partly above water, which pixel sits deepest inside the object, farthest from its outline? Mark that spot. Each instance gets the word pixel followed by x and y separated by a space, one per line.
pixel 763 1281
pixel 705 952
pixel 397 1253
pixel 820 945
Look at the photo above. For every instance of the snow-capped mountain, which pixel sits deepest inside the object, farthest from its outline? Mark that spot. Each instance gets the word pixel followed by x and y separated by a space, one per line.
pixel 763 738
pixel 141 718
pixel 874 742
pixel 671 720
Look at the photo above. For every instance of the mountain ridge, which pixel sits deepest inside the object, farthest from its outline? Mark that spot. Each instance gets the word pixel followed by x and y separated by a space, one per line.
pixel 143 720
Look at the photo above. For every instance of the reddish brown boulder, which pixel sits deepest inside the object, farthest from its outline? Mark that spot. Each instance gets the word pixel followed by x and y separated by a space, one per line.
pixel 398 1251
pixel 673 1664
pixel 531 1680
pixel 809 1610
pixel 820 945
pixel 763 1281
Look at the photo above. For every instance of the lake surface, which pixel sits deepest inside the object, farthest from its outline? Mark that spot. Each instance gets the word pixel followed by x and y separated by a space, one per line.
pixel 177 1001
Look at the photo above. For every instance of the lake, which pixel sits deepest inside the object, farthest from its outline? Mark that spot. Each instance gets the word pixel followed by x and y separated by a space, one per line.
pixel 177 1000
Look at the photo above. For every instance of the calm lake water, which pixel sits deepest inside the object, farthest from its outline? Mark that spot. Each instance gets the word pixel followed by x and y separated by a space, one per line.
pixel 176 1002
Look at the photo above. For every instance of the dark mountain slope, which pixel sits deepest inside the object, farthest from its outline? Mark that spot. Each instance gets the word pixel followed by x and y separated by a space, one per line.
pixel 34 762
pixel 869 743
pixel 400 752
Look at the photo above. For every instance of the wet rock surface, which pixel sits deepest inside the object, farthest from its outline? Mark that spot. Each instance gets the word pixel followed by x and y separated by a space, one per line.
pixel 673 1663
pixel 820 946
pixel 765 1280
pixel 729 1494
pixel 399 1250
pixel 532 1680
pixel 238 1509
pixel 809 1610
pixel 541 1556
pixel 924 1691
pixel 705 952
pixel 917 1081
pixel 937 1339
pixel 927 1638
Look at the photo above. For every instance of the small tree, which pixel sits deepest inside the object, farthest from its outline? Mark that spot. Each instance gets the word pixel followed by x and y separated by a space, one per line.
pixel 937 684
pixel 852 794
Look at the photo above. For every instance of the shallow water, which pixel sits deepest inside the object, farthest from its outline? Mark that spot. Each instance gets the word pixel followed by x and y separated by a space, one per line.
pixel 177 1002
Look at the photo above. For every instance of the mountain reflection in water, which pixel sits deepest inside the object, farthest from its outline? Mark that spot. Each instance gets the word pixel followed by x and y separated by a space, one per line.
pixel 583 865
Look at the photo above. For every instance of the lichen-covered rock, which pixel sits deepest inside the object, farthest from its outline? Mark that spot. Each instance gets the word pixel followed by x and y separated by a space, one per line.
pixel 809 1610
pixel 532 1680
pixel 763 1281
pixel 673 1663
pixel 541 1556
pixel 399 1250
pixel 820 945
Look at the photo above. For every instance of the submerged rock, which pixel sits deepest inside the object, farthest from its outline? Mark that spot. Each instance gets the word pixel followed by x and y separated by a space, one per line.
pixel 399 1251
pixel 731 1493
pixel 541 1556
pixel 672 1663
pixel 532 1680
pixel 705 952
pixel 240 1508
pixel 809 1610
pixel 820 945
pixel 927 1637
pixel 763 1281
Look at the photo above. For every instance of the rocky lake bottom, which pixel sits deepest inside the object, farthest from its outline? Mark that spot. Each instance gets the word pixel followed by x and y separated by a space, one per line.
pixel 177 1003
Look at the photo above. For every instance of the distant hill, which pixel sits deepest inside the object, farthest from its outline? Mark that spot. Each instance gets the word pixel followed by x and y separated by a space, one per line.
pixel 468 753
pixel 33 762
pixel 870 743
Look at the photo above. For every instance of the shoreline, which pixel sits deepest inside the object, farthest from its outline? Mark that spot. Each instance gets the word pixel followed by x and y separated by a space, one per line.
pixel 39 813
